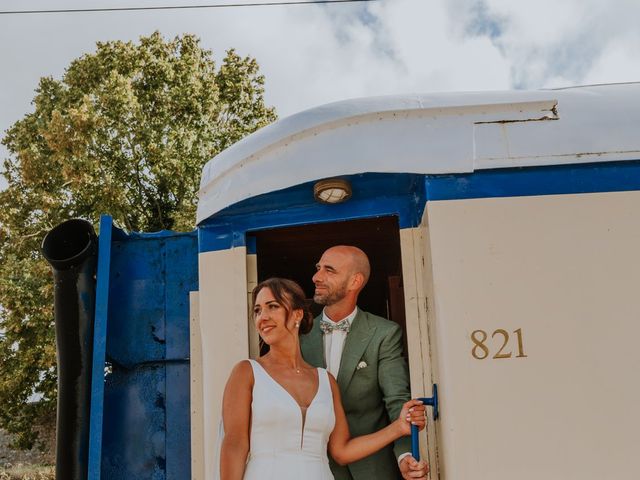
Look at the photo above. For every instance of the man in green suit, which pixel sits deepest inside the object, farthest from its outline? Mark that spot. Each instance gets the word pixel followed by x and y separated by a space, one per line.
pixel 364 353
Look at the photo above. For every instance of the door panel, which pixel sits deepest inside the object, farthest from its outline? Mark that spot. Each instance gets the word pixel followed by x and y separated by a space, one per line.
pixel 558 275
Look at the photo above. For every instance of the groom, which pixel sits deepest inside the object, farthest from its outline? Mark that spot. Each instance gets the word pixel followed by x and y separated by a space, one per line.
pixel 364 353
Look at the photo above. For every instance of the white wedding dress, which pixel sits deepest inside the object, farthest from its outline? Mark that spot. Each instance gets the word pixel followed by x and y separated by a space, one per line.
pixel 286 443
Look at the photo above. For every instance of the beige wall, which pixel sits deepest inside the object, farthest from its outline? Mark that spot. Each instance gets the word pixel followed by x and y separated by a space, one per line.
pixel 224 338
pixel 195 390
pixel 565 270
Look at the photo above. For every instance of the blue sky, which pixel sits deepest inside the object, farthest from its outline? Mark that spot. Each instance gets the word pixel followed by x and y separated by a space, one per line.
pixel 312 55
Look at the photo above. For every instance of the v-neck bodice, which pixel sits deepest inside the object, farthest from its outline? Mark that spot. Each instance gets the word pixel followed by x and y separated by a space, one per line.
pixel 302 407
pixel 283 443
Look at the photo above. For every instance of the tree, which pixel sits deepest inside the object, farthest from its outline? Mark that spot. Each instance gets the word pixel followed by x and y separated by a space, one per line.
pixel 126 131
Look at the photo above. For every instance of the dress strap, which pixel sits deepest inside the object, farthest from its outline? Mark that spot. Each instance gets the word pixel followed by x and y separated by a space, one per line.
pixel 323 380
pixel 258 371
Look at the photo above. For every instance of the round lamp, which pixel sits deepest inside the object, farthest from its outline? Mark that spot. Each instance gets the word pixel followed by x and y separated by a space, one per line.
pixel 332 190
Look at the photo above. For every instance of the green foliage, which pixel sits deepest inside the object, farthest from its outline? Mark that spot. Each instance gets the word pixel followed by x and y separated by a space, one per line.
pixel 126 131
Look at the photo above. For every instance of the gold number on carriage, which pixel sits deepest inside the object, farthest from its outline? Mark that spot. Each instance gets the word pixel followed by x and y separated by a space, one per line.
pixel 499 343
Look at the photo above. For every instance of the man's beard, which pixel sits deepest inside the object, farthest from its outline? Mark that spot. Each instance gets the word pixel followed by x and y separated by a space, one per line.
pixel 330 298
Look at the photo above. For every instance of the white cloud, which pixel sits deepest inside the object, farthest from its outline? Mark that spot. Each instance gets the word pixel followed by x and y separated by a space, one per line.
pixel 317 54
pixel 619 61
pixel 553 43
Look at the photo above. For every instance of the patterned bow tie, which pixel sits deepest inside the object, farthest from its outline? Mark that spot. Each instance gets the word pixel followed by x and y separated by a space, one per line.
pixel 328 326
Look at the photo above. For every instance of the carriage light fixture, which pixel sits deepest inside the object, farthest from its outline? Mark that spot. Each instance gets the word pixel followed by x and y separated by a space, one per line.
pixel 332 190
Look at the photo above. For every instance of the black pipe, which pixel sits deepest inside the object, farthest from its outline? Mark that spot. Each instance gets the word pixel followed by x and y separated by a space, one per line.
pixel 71 249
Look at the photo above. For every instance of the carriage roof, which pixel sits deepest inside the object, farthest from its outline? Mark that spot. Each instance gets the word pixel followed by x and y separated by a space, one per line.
pixel 441 133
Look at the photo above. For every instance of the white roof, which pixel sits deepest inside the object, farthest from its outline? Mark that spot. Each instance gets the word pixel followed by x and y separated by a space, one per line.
pixel 429 134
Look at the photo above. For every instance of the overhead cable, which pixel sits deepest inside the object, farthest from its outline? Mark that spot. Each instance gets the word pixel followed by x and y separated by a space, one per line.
pixel 184 7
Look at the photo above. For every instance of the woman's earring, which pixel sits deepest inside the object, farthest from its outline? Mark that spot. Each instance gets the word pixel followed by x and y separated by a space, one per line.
pixel 297 324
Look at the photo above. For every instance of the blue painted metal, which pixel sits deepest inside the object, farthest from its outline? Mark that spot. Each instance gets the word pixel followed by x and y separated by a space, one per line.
pixel 374 195
pixel 180 277
pixel 136 295
pixel 99 347
pixel 146 429
pixel 178 421
pixel 252 244
pixel 557 179
pixel 134 443
pixel 433 402
pixel 415 442
pixel 404 195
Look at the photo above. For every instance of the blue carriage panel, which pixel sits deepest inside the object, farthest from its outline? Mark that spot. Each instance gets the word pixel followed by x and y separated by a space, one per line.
pixel 99 346
pixel 178 421
pixel 136 328
pixel 146 427
pixel 374 195
pixel 181 263
pixel 134 439
pixel 181 266
pixel 544 180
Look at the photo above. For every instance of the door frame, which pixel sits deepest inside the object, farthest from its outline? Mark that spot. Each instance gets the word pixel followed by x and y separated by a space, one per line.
pixel 419 308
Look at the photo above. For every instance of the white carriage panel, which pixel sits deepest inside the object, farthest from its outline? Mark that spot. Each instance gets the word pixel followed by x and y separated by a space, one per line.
pixel 564 271
pixel 195 389
pixel 224 333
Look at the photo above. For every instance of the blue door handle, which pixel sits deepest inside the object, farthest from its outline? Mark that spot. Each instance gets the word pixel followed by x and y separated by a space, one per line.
pixel 432 401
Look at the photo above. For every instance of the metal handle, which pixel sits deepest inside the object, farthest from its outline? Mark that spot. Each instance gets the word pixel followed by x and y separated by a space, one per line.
pixel 432 401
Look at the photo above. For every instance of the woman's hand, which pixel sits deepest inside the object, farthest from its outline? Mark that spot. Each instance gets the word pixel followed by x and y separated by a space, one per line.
pixel 412 413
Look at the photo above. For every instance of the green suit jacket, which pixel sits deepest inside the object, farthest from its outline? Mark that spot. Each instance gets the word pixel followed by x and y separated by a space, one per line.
pixel 371 394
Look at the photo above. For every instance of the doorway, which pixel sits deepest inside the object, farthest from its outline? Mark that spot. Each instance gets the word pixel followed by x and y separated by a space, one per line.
pixel 292 252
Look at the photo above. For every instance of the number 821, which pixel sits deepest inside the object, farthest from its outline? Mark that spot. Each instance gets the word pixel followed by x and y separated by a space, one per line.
pixel 480 350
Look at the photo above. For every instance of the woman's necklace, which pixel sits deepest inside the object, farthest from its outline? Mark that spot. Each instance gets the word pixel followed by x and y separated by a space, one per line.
pixel 297 369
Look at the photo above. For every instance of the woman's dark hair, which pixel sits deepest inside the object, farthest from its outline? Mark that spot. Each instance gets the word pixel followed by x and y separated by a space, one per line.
pixel 291 296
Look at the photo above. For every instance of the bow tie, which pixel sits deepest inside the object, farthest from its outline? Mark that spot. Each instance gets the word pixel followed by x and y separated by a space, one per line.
pixel 328 326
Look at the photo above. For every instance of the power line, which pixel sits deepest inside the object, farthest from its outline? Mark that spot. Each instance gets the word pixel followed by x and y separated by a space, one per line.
pixel 184 7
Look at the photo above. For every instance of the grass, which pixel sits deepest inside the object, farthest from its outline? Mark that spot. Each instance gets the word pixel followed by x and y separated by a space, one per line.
pixel 27 472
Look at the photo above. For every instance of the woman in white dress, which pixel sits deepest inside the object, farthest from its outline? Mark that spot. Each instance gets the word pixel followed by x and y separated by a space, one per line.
pixel 280 414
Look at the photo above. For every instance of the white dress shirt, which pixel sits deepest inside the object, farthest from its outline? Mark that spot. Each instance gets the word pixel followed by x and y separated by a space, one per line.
pixel 334 343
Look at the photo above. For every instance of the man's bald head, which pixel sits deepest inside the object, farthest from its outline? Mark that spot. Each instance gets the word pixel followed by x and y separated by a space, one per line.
pixel 359 262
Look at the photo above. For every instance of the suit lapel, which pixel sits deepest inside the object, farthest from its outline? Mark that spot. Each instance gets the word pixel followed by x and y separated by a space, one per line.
pixel 358 339
pixel 313 349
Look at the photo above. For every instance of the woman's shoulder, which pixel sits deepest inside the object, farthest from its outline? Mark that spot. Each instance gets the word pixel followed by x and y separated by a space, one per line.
pixel 242 372
pixel 244 364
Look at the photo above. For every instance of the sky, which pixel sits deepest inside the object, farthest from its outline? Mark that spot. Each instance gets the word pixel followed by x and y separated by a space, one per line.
pixel 315 54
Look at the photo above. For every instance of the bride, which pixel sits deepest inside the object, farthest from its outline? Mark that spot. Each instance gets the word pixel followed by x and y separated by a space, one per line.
pixel 282 415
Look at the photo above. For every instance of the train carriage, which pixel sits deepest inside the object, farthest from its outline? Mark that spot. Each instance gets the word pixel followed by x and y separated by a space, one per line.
pixel 503 231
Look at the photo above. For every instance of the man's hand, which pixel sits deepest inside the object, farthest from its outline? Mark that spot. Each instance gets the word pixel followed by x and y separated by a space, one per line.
pixel 412 469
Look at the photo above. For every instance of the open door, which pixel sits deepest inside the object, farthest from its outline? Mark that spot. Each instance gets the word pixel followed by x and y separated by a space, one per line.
pixel 293 252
